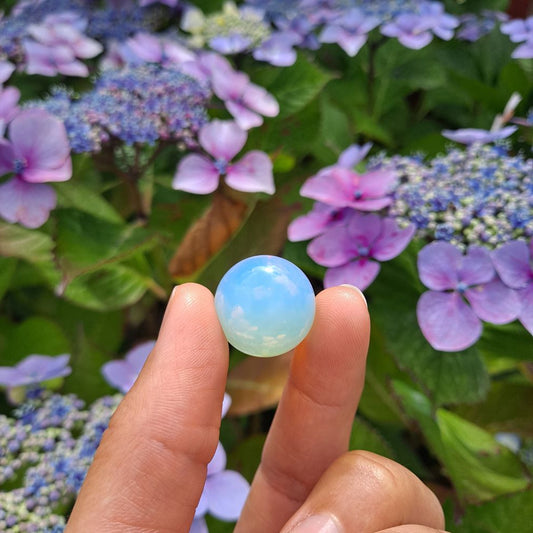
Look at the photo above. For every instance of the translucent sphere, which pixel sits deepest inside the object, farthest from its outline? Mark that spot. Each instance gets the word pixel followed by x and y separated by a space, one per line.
pixel 265 305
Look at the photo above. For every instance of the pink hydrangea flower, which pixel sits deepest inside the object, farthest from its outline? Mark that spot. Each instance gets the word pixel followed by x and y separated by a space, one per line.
pixel 37 151
pixel 223 140
pixel 9 109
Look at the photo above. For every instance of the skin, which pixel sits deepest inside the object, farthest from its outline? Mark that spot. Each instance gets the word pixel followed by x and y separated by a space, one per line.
pixel 150 468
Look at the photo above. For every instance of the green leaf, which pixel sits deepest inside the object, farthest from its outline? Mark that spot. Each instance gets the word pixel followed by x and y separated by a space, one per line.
pixel 479 467
pixel 36 335
pixel 366 437
pixel 245 458
pixel 7 269
pixel 297 85
pixel 510 513
pixel 86 243
pixel 448 377
pixel 82 198
pixel 111 287
pixel 31 245
pixel 508 341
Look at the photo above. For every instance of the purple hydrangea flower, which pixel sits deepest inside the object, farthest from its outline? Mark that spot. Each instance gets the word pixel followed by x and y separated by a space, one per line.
pixel 415 30
pixel 474 26
pixel 224 494
pixel 514 263
pixel 230 44
pixel 473 135
pixel 34 369
pixel 278 49
pixel 341 187
pixel 352 250
pixel 463 291
pixel 9 98
pixel 37 151
pixel 321 218
pixel 122 374
pixel 169 3
pixel 350 31
pixel 50 61
pixel 224 140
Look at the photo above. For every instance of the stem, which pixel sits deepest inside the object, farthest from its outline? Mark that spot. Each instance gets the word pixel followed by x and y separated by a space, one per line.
pixel 373 47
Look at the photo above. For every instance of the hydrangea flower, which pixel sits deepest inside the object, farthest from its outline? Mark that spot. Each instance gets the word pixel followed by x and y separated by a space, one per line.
pixel 478 195
pixel 341 187
pixel 415 30
pixel 137 104
pixel 154 49
pixel 34 369
pixel 353 250
pixel 122 374
pixel 474 26
pixel 37 152
pixel 520 31
pixel 514 263
pixel 9 109
pixel 278 49
pixel 473 135
pixel 464 290
pixel 223 140
pixel 350 31
pixel 6 69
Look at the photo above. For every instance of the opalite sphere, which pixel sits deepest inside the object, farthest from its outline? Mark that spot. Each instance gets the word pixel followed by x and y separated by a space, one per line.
pixel 265 305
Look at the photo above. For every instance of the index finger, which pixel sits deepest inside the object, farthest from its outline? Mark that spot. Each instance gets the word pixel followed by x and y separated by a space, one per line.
pixel 149 471
pixel 315 414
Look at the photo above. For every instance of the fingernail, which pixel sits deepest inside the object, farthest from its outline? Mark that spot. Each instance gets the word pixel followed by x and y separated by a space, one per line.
pixel 318 523
pixel 358 290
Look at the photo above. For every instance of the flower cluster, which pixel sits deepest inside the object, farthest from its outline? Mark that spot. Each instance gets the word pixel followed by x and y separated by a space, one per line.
pixel 230 31
pixel 47 449
pixel 474 26
pixel 480 195
pixel 138 104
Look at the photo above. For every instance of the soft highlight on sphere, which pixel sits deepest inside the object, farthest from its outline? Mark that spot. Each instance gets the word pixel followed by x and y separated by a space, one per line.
pixel 265 305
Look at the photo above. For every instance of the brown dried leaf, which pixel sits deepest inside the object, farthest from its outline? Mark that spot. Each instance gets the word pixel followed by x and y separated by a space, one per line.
pixel 257 383
pixel 208 235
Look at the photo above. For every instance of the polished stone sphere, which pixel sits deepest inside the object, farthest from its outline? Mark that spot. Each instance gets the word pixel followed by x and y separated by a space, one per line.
pixel 265 305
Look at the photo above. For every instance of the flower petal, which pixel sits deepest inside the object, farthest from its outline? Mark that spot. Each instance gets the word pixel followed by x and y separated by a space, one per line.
pixel 196 174
pixel 316 222
pixel 227 491
pixel 119 374
pixel 226 404
pixel 223 139
pixel 494 302
pixel 199 525
pixel 260 100
pixel 11 377
pixel 41 139
pixel 40 368
pixel 359 273
pixel 27 203
pixel 244 117
pixel 7 157
pixel 218 462
pixel 40 175
pixel 364 229
pixel 392 241
pixel 253 173
pixel 137 356
pixel 512 264
pixel 476 267
pixel 438 264
pixel 353 154
pixel 332 249
pixel 526 313
pixel 377 183
pixel 333 186
pixel 447 321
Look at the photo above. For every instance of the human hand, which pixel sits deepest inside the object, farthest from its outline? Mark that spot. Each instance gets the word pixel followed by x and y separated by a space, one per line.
pixel 149 471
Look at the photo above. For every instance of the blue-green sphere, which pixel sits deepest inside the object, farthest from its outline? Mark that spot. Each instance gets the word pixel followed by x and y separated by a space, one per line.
pixel 265 305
